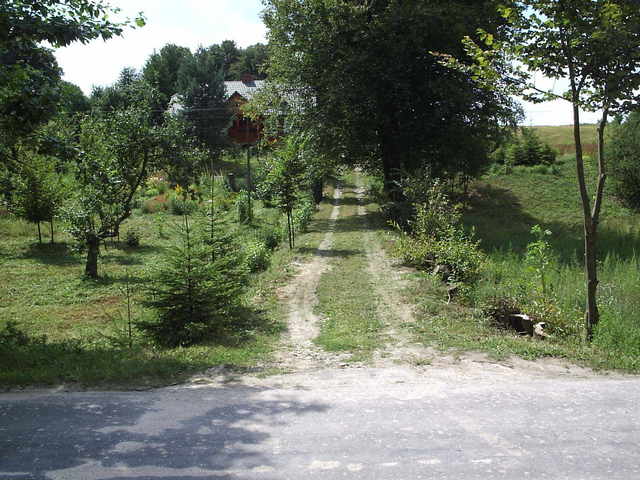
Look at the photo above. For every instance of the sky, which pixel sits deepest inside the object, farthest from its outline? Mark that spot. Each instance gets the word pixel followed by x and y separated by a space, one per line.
pixel 194 23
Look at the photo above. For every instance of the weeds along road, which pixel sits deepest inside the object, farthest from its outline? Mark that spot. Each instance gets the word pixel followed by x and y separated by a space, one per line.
pixel 354 404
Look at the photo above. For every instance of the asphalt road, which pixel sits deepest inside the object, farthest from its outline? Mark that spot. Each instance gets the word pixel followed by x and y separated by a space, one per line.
pixel 396 423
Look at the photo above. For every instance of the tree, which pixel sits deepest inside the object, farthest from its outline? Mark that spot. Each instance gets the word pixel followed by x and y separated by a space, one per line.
pixel 72 99
pixel 595 44
pixel 198 289
pixel 117 153
pixel 203 96
pixel 161 71
pixel 363 79
pixel 253 59
pixel 29 74
pixel 625 164
pixel 40 191
pixel 284 178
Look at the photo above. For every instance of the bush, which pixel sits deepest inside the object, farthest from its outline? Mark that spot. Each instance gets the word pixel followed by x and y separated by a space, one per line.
pixel 303 214
pixel 153 205
pixel 132 237
pixel 526 149
pixel 179 205
pixel 197 290
pixel 270 236
pixel 436 237
pixel 624 149
pixel 256 256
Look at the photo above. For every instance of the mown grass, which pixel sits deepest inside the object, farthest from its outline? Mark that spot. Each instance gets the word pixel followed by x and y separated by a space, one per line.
pixel 347 302
pixel 43 292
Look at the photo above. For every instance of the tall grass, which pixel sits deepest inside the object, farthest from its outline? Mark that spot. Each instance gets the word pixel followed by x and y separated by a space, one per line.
pixel 502 210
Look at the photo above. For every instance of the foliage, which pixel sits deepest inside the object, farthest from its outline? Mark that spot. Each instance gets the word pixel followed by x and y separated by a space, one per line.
pixel 359 76
pixel 538 257
pixel 40 191
pixel 525 149
pixel 198 288
pixel 118 151
pixel 257 256
pixel 29 73
pixel 181 204
pixel 436 237
pixel 132 237
pixel 243 206
pixel 203 97
pixel 161 71
pixel 624 148
pixel 303 214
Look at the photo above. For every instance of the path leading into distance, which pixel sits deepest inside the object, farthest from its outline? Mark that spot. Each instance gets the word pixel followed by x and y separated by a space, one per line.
pixel 468 419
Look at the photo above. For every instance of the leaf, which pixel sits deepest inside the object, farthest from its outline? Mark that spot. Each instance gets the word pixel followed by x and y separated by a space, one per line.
pixel 140 20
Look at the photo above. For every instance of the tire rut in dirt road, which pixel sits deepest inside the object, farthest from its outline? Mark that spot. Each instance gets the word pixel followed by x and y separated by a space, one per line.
pixel 393 310
pixel 297 351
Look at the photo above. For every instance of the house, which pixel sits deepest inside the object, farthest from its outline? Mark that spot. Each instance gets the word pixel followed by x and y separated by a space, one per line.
pixel 243 130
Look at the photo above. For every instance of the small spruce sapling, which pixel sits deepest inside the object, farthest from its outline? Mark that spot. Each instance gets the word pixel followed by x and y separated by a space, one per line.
pixel 198 289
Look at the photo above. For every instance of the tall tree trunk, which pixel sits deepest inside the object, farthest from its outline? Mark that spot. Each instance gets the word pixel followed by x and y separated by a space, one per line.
pixel 51 228
pixel 39 234
pixel 93 250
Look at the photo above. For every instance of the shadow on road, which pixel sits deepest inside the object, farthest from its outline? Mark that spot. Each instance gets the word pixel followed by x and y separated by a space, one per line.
pixel 97 434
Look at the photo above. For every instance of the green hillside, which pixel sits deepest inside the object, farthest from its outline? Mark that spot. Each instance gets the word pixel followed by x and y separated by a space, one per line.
pixel 561 137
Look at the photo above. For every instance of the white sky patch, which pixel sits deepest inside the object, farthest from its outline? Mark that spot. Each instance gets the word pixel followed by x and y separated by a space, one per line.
pixel 194 23
pixel 188 23
pixel 556 112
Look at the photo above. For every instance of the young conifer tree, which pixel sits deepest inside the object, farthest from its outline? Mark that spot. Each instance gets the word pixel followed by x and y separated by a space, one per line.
pixel 197 291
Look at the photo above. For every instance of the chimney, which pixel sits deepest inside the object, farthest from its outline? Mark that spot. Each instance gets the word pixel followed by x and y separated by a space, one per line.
pixel 247 78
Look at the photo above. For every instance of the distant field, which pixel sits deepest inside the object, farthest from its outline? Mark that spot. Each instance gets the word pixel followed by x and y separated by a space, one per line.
pixel 561 137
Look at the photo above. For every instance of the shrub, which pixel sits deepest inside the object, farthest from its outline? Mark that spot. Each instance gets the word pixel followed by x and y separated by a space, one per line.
pixel 153 205
pixel 132 237
pixel 198 288
pixel 181 205
pixel 625 166
pixel 257 256
pixel 303 214
pixel 270 236
pixel 436 237
pixel 525 149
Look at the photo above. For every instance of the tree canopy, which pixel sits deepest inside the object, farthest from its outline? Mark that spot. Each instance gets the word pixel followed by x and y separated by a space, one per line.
pixel 365 80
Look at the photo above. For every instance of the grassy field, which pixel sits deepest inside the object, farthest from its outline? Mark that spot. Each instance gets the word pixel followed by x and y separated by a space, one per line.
pixel 43 291
pixel 561 137
pixel 502 209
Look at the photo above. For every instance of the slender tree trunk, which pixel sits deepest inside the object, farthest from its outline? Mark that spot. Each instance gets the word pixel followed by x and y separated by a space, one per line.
pixel 590 234
pixel 249 186
pixel 93 250
pixel 51 227
pixel 289 230
pixel 39 234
